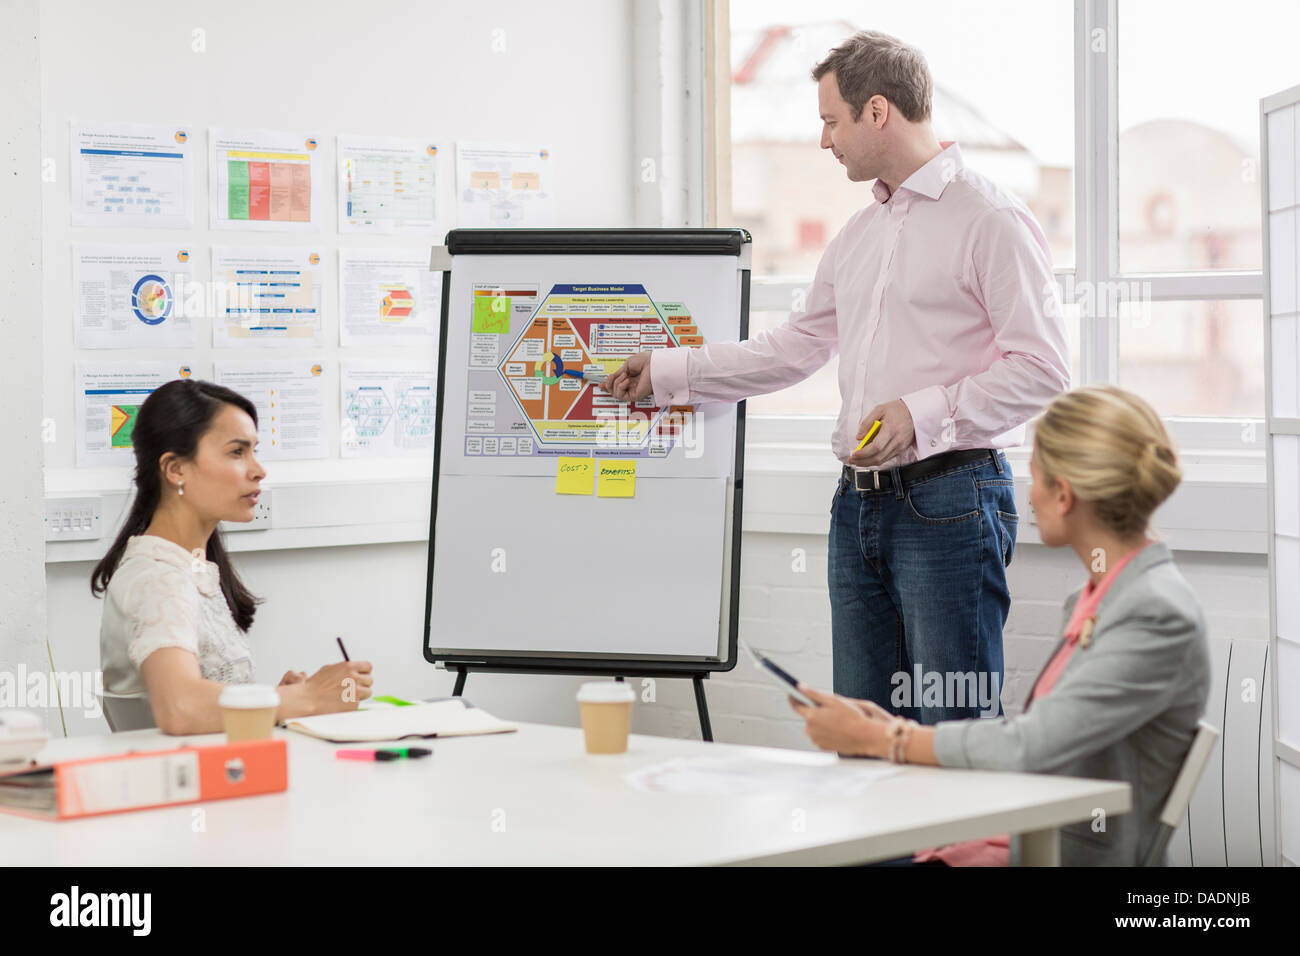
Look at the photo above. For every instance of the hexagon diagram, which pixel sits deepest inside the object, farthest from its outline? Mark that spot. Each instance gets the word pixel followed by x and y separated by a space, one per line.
pixel 580 329
pixel 368 408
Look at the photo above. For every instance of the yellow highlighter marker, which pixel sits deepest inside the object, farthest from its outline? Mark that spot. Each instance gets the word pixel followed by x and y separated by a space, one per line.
pixel 870 435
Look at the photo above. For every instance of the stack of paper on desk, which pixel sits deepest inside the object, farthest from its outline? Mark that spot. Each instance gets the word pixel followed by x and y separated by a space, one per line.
pixel 443 718
pixel 809 774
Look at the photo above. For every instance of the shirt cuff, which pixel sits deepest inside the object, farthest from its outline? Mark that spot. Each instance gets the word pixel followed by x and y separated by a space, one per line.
pixel 950 743
pixel 668 376
pixel 935 431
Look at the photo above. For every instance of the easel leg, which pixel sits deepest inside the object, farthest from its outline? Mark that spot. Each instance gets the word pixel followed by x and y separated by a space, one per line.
pixel 461 674
pixel 702 705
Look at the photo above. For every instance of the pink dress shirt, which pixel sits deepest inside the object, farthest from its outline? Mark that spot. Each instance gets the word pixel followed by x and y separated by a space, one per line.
pixel 940 294
pixel 996 851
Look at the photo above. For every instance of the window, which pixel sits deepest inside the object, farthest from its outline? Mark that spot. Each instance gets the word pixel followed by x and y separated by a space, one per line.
pixel 1195 358
pixel 1190 81
pixel 1165 105
pixel 812 235
pixel 1012 131
pixel 818 395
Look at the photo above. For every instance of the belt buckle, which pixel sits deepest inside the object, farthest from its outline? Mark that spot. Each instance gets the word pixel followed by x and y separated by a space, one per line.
pixel 875 481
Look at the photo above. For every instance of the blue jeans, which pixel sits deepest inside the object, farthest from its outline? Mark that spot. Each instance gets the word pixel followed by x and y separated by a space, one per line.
pixel 918 591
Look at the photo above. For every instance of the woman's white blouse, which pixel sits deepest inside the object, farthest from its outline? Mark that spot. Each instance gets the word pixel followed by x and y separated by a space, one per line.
pixel 163 596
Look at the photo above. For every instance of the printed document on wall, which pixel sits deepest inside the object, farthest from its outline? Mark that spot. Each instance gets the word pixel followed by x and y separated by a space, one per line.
pixel 388 186
pixel 290 399
pixel 126 175
pixel 133 296
pixel 389 297
pixel 500 184
pixel 267 295
pixel 264 180
pixel 387 408
pixel 109 396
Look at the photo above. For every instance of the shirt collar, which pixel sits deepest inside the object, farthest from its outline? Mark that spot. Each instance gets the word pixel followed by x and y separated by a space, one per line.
pixel 931 179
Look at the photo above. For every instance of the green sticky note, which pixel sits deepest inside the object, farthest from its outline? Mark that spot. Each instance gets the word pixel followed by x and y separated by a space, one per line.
pixel 389 699
pixel 574 476
pixel 492 314
pixel 617 479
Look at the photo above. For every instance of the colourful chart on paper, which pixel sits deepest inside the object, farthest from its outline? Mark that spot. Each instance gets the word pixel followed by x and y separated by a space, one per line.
pixel 548 405
pixel 151 299
pixel 268 187
pixel 398 303
pixel 264 180
pixel 123 425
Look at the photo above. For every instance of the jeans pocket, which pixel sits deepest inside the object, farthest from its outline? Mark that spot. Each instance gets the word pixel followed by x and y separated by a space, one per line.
pixel 945 500
pixel 1007 527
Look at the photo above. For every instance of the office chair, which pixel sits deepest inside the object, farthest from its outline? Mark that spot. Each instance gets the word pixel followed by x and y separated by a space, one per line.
pixel 1198 755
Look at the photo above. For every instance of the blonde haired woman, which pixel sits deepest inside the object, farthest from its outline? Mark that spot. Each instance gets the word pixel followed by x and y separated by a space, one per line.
pixel 1121 694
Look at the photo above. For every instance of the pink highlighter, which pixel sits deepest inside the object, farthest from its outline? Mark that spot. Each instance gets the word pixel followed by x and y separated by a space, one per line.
pixel 394 753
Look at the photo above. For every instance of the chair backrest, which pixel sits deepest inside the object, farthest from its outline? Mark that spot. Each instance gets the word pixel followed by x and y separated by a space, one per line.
pixel 1198 755
pixel 1180 795
pixel 127 713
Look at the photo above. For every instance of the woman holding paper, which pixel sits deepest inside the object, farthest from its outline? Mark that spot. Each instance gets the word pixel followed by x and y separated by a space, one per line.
pixel 1120 697
pixel 176 614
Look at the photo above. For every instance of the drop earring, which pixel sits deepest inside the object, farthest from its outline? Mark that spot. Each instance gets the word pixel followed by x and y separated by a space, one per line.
pixel 180 489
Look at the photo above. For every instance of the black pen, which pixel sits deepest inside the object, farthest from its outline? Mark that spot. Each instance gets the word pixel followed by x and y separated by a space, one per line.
pixel 342 649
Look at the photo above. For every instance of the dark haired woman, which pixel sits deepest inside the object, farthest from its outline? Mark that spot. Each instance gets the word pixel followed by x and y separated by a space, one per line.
pixel 176 614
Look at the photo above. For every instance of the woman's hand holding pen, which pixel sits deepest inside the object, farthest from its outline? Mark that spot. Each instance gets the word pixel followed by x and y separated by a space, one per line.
pixel 333 688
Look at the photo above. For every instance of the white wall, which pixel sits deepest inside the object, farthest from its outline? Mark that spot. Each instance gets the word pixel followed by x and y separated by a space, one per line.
pixel 560 72
pixel 509 70
pixel 22 595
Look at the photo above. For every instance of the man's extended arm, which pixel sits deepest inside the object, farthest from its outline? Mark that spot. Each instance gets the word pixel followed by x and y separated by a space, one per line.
pixel 772 360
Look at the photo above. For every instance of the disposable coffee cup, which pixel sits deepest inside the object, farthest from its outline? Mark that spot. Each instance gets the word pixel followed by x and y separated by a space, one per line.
pixel 606 708
pixel 248 711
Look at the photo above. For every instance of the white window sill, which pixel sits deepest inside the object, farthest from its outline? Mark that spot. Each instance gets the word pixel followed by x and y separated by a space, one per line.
pixel 1221 505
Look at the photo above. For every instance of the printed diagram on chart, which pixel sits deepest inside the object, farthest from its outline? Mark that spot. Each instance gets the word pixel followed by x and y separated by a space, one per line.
pixel 122 425
pixel 151 299
pixel 398 303
pixel 575 331
pixel 415 414
pixel 370 409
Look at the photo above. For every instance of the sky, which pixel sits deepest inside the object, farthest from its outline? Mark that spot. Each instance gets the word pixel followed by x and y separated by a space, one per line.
pixel 1014 59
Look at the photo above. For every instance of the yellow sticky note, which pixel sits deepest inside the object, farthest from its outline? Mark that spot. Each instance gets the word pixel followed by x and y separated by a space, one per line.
pixel 617 479
pixel 573 476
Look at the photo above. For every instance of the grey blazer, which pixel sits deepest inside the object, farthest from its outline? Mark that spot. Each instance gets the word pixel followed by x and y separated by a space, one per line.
pixel 1124 708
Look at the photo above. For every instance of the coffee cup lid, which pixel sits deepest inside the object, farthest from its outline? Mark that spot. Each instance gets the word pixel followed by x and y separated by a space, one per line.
pixel 605 692
pixel 248 697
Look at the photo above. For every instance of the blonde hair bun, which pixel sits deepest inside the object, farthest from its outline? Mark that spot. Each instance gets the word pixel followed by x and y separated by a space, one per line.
pixel 1113 449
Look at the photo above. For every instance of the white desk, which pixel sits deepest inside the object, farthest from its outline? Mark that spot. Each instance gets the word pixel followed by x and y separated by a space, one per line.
pixel 536 797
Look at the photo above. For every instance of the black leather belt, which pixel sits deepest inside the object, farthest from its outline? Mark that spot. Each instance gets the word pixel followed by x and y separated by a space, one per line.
pixel 884 480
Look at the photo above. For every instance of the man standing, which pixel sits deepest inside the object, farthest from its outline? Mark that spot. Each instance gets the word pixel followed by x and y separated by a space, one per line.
pixel 940 299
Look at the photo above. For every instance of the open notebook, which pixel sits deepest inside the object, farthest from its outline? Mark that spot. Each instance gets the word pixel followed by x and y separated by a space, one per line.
pixel 440 718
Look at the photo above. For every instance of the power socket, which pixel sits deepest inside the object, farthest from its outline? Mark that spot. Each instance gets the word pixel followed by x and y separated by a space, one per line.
pixel 261 517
